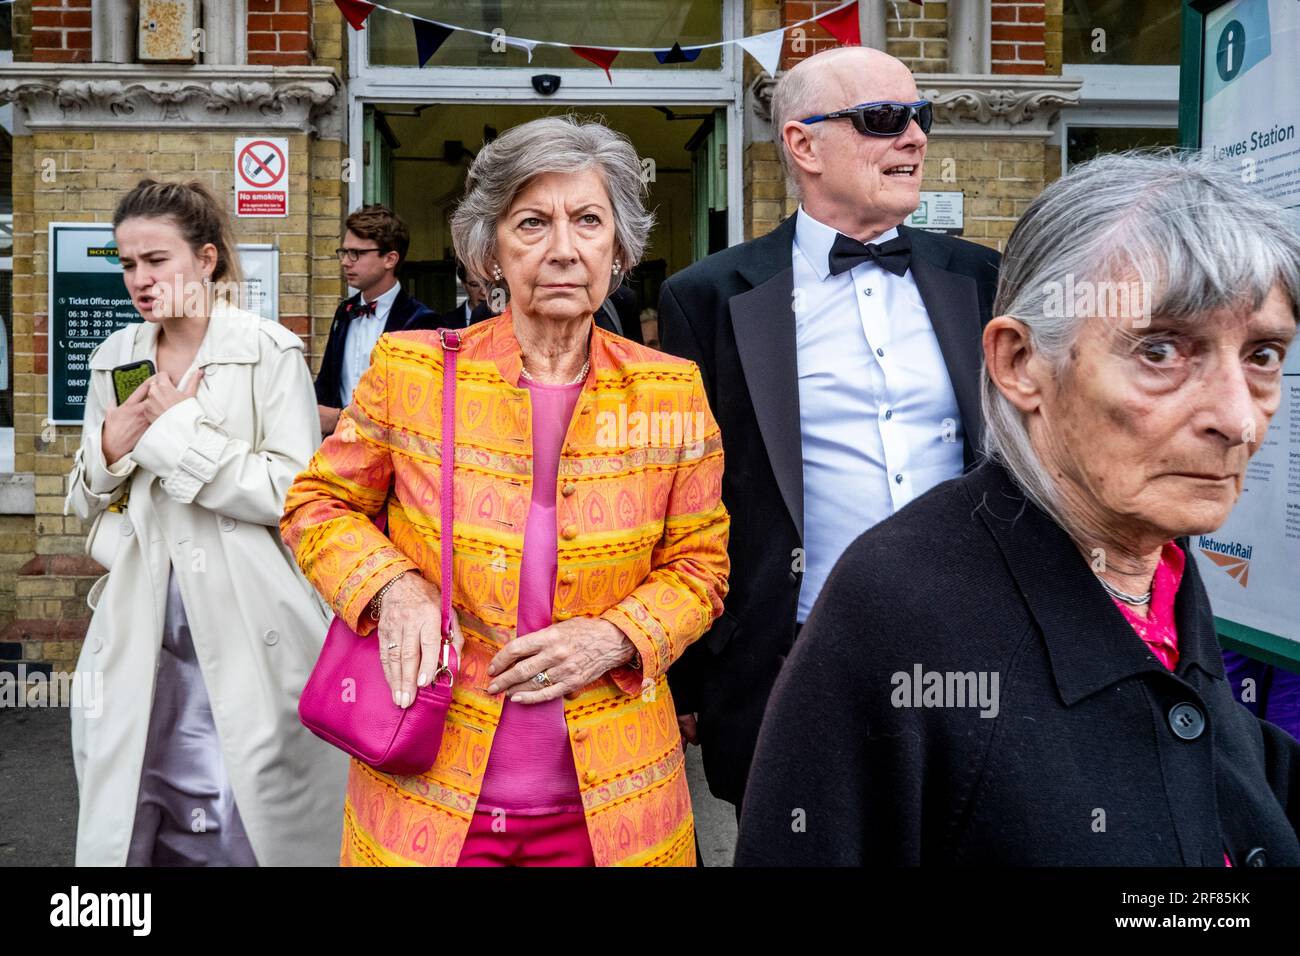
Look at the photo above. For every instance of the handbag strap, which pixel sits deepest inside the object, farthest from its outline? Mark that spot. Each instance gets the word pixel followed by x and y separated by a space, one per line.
pixel 450 347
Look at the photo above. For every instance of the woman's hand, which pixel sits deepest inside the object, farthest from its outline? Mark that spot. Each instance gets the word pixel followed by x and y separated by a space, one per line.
pixel 124 424
pixel 573 653
pixel 161 394
pixel 410 635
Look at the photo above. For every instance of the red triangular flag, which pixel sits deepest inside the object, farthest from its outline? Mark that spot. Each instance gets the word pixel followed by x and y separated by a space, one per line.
pixel 355 11
pixel 602 58
pixel 843 25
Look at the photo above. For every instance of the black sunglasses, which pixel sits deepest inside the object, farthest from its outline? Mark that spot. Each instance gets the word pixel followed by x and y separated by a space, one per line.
pixel 884 118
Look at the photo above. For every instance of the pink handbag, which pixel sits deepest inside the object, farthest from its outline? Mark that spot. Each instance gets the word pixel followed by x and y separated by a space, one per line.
pixel 347 701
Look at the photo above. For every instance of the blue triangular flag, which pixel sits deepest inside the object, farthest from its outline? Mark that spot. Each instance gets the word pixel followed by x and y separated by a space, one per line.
pixel 428 37
pixel 677 54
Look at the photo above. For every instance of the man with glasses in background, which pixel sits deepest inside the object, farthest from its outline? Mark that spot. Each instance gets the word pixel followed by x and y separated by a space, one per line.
pixel 841 355
pixel 374 247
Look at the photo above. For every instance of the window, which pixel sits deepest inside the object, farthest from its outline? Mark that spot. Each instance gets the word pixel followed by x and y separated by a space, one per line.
pixel 1122 32
pixel 1083 143
pixel 647 23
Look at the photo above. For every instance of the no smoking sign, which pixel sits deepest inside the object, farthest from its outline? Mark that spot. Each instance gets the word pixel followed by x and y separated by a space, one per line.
pixel 261 177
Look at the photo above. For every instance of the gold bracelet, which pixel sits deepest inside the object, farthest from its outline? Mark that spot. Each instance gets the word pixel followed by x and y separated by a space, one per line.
pixel 377 602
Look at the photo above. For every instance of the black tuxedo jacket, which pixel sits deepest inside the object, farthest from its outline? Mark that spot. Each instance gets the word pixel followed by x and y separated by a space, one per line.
pixel 732 314
pixel 407 313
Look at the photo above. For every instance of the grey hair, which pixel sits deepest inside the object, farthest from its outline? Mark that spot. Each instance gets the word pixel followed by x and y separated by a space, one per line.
pixel 552 144
pixel 1196 238
pixel 798 93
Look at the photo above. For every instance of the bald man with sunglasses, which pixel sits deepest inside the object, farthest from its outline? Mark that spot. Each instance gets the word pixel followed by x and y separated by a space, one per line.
pixel 841 354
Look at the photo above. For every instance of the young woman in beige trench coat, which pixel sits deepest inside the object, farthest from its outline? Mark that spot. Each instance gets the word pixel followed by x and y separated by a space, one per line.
pixel 200 678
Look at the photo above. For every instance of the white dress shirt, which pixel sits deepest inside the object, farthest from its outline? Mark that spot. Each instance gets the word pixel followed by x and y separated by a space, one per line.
pixel 877 412
pixel 363 333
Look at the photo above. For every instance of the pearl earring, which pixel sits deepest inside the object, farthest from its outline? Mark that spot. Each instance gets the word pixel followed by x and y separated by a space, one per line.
pixel 496 273
pixel 617 266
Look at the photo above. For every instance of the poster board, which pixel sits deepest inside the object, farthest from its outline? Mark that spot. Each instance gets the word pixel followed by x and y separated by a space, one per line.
pixel 1240 73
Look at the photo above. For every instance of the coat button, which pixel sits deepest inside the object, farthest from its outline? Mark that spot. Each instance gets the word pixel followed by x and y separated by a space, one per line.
pixel 227 523
pixel 580 734
pixel 1257 857
pixel 271 637
pixel 568 489
pixel 1187 721
pixel 570 532
pixel 127 529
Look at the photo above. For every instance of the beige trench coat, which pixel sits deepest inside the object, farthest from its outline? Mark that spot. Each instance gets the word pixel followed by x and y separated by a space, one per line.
pixel 208 481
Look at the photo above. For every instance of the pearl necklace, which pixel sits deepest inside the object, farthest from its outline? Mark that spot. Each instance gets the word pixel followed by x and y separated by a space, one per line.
pixel 580 376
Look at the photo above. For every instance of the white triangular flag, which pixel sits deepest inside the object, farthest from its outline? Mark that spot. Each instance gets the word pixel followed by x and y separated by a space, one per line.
pixel 765 48
pixel 525 45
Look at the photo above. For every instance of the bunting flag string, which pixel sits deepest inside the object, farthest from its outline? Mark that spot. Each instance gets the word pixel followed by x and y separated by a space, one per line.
pixel 841 22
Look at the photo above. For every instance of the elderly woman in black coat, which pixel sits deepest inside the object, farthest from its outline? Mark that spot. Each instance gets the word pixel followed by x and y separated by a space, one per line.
pixel 1021 667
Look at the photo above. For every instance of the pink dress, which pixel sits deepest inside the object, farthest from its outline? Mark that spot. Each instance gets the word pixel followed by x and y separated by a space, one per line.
pixel 529 811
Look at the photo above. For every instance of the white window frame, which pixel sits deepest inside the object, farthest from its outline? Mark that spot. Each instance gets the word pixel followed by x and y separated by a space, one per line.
pixel 1144 97
pixel 579 86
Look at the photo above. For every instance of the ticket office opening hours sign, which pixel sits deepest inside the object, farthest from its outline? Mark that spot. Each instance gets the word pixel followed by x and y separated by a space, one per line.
pixel 261 177
pixel 88 302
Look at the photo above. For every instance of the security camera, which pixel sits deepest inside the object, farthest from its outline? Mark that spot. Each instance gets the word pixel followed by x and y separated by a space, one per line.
pixel 546 83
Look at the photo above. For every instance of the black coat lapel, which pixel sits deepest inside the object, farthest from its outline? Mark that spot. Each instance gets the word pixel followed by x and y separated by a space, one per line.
pixel 1090 645
pixel 399 314
pixel 763 321
pixel 952 301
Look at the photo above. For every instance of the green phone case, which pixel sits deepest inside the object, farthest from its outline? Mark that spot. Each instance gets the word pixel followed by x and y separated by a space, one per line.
pixel 127 378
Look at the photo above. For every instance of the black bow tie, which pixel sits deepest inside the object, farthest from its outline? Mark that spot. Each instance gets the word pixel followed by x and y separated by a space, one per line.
pixel 894 255
pixel 363 308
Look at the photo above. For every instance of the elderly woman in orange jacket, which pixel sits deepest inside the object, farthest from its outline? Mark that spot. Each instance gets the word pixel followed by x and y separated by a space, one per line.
pixel 590 540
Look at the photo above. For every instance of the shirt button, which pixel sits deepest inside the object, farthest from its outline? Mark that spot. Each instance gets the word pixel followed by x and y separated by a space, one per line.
pixel 580 735
pixel 898 479
pixel 570 532
pixel 568 489
pixel 589 776
pixel 866 292
pixel 889 413
pixel 127 528
pixel 880 352
pixel 1187 721
pixel 96 645
pixel 793 577
pixel 271 637
pixel 210 370
pixel 1257 857
pixel 227 523
pixel 568 577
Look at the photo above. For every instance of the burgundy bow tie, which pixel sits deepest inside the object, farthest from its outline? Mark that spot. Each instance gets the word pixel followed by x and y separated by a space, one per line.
pixel 362 309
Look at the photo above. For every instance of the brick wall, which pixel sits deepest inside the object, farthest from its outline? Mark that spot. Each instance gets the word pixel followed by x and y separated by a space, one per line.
pixel 916 33
pixel 1019 37
pixel 60 31
pixel 279 32
pixel 1054 34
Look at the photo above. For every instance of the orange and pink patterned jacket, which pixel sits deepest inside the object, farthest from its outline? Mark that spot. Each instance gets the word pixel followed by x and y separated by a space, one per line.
pixel 642 543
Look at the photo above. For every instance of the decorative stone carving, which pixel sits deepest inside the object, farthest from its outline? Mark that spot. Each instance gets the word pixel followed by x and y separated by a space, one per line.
pixel 998 105
pixel 131 96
